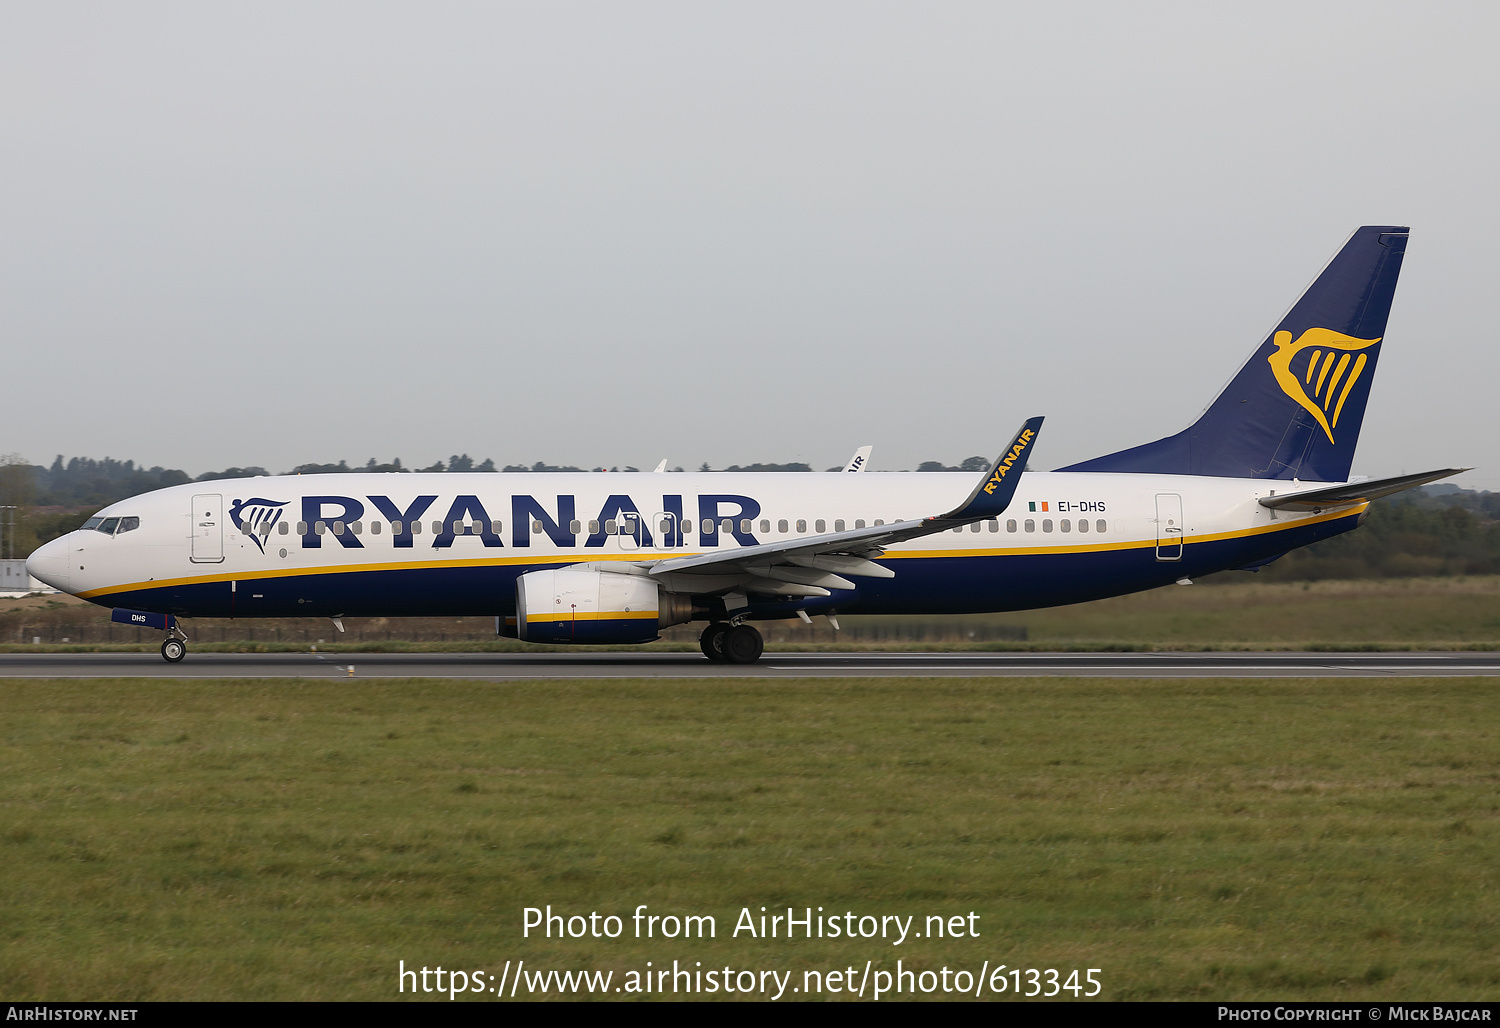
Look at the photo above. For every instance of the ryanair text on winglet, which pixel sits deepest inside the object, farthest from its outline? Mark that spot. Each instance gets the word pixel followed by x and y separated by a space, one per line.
pixel 1022 441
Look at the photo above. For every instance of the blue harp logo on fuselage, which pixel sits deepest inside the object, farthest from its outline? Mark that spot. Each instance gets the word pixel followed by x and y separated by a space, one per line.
pixel 257 514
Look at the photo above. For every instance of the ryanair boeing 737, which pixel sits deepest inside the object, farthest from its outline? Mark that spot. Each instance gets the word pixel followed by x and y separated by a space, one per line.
pixel 614 558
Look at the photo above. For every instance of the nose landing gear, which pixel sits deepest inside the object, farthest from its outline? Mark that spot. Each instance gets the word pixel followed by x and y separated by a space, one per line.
pixel 175 648
pixel 731 644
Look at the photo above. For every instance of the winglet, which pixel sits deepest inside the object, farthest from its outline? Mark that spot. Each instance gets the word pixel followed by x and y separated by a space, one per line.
pixel 993 493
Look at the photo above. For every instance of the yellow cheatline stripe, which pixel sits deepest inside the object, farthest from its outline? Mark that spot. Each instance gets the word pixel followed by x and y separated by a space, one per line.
pixel 591 558
pixel 593 615
pixel 339 569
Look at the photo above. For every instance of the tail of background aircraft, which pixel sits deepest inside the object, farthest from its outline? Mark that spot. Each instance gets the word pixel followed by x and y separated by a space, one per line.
pixel 1295 409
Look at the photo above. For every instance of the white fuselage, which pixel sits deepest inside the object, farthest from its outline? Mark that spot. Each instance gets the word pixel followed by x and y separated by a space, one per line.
pixel 399 544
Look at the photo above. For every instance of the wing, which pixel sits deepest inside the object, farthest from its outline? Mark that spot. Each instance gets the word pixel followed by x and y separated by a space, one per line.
pixel 1354 492
pixel 814 565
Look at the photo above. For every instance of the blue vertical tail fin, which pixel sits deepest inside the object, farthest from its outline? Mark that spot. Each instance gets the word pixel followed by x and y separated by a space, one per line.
pixel 1295 408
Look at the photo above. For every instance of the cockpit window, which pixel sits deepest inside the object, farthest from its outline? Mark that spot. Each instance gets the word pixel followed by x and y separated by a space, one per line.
pixel 110 526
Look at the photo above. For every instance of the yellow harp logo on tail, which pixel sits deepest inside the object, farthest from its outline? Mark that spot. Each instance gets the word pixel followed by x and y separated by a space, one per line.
pixel 1330 372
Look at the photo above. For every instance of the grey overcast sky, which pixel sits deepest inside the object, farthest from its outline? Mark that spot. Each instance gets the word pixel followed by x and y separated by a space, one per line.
pixel 269 233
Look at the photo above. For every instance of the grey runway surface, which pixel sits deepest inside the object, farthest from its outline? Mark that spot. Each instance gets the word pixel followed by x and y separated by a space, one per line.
pixel 772 665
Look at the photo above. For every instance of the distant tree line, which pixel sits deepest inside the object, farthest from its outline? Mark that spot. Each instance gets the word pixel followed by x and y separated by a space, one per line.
pixel 84 481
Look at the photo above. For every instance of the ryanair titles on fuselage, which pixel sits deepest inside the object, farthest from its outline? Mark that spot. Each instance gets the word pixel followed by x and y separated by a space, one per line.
pixel 467 514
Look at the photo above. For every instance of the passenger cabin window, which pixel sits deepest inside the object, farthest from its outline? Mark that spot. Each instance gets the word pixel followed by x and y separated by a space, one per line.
pixel 1046 524
pixel 838 526
pixel 416 528
pixel 782 526
pixel 357 528
pixel 765 526
pixel 375 527
pixel 302 528
pixel 611 527
pixel 496 527
pixel 820 526
pixel 283 528
pixel 974 527
pixel 994 524
pixel 338 528
pixel 575 527
pixel 726 525
pixel 1030 525
pixel 1083 524
pixel 859 523
pixel 593 528
pixel 745 525
pixel 320 528
pixel 1065 525
pixel 1010 526
pixel 879 522
pixel 395 528
pixel 801 525
pixel 1100 525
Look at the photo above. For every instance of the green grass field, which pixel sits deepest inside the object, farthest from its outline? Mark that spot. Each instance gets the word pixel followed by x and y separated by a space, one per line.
pixel 1311 839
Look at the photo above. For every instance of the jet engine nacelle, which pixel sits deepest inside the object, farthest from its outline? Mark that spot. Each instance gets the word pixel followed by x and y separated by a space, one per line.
pixel 574 605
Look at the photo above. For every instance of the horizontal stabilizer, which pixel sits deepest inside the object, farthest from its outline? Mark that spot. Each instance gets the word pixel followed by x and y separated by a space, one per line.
pixel 1354 492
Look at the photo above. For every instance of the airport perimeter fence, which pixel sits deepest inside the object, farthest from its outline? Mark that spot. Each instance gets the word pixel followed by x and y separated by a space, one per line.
pixel 89 627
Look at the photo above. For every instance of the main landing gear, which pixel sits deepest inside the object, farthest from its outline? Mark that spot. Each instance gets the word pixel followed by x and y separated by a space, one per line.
pixel 731 644
pixel 175 648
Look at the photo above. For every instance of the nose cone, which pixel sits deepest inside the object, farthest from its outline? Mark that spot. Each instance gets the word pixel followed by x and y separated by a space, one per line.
pixel 50 563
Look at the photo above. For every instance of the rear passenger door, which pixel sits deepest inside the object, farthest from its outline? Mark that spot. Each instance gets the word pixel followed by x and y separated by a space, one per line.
pixel 1168 526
